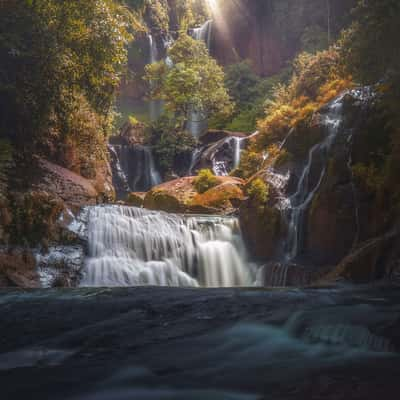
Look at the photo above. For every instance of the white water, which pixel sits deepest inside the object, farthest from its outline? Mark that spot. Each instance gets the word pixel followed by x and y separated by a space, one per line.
pixel 134 167
pixel 204 33
pixel 130 246
pixel 299 202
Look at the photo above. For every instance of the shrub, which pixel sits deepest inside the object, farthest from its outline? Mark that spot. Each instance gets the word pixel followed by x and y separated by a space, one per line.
pixel 258 191
pixel 205 181
pixel 317 79
pixel 250 163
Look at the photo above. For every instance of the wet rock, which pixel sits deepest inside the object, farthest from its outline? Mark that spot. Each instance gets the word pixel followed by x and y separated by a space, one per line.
pixel 220 152
pixel 60 266
pixel 276 274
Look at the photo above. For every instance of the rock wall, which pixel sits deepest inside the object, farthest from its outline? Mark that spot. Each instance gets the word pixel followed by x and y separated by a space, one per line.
pixel 269 32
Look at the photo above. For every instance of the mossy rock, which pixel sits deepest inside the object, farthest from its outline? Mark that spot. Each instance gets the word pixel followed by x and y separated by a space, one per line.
pixel 135 199
pixel 160 200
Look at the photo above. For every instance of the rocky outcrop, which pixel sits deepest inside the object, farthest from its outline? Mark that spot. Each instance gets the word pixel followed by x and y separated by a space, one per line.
pixel 372 260
pixel 180 196
pixel 18 268
pixel 318 214
pixel 219 151
pixel 131 133
pixel 262 229
pixel 73 189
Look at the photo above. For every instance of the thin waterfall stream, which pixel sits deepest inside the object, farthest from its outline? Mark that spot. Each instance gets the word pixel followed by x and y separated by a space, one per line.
pixel 298 203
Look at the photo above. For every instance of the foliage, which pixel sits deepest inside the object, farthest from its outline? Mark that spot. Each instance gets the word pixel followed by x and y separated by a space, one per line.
pixel 171 145
pixel 249 92
pixel 242 83
pixel 55 54
pixel 369 45
pixel 157 12
pixel 317 79
pixel 205 180
pixel 35 214
pixel 250 163
pixel 192 81
pixel 258 191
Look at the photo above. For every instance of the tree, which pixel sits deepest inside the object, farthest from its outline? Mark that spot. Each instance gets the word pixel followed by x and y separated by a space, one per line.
pixel 370 46
pixel 56 55
pixel 190 81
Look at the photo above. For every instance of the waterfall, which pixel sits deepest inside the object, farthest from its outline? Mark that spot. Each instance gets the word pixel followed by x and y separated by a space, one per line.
pixel 237 142
pixel 130 246
pixel 197 123
pixel 298 203
pixel 204 33
pixel 133 169
pixel 155 106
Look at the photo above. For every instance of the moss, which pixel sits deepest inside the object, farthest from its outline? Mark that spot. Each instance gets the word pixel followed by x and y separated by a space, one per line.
pixel 160 200
pixel 205 181
pixel 135 199
pixel 222 197
pixel 258 191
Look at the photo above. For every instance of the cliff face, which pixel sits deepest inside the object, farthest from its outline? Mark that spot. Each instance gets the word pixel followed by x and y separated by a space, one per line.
pixel 270 32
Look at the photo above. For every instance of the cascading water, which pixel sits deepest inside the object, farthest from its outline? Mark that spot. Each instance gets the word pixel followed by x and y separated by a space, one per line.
pixel 222 156
pixel 133 169
pixel 299 202
pixel 130 246
pixel 204 33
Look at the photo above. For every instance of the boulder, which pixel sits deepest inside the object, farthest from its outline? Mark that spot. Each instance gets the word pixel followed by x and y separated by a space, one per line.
pixel 72 188
pixel 180 196
pixel 135 199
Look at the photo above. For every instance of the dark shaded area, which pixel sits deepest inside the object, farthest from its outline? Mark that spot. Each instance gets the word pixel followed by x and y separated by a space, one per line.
pixel 155 343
